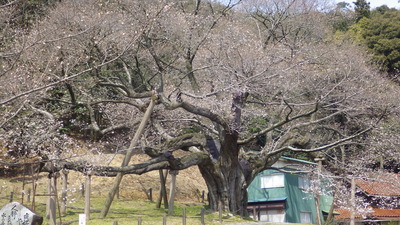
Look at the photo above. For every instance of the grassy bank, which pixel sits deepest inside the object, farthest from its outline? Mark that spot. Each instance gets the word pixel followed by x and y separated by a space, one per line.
pixel 124 210
pixel 129 212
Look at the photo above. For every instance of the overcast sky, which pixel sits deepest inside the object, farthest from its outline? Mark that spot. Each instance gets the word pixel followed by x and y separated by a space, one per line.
pixel 377 3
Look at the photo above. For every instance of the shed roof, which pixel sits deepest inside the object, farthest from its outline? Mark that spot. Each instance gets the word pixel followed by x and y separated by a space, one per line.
pixel 268 199
pixel 384 185
pixel 375 213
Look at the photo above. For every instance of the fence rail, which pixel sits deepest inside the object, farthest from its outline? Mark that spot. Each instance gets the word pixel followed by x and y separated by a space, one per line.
pixel 26 195
pixel 184 217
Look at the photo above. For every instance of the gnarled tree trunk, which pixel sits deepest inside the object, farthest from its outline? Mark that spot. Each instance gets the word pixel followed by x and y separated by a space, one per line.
pixel 226 177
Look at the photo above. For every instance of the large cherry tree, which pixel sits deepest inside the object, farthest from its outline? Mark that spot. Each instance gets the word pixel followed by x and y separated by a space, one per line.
pixel 235 86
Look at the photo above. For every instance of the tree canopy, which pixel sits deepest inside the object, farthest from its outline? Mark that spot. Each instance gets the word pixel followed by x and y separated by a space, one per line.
pixel 362 9
pixel 381 35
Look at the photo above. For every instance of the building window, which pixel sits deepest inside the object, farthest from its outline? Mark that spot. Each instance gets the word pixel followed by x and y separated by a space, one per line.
pixel 305 217
pixel 272 181
pixel 273 215
pixel 304 183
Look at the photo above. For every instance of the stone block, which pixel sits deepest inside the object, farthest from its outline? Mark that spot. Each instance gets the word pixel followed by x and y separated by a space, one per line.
pixel 18 214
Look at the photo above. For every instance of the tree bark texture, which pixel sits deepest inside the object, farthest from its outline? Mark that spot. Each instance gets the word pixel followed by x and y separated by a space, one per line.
pixel 163 190
pixel 172 192
pixel 87 195
pixel 225 178
pixel 52 199
pixel 64 192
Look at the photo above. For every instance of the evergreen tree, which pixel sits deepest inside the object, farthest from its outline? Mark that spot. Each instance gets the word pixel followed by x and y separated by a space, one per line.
pixel 342 17
pixel 362 9
pixel 381 35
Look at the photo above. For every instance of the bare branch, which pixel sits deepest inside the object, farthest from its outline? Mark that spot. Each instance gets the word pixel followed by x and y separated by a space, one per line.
pixel 196 121
pixel 121 88
pixel 279 124
pixel 43 112
pixel 68 36
pixel 14 114
pixel 205 113
pixel 194 109
pixel 59 81
pixel 9 4
pixel 323 147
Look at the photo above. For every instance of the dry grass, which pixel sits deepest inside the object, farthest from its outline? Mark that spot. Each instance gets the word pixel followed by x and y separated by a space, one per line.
pixel 133 202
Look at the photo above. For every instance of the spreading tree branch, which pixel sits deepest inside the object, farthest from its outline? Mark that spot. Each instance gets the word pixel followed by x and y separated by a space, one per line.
pixel 323 147
pixel 164 161
pixel 287 119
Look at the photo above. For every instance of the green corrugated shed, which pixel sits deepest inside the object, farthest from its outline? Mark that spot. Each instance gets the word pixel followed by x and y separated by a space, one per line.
pixel 296 199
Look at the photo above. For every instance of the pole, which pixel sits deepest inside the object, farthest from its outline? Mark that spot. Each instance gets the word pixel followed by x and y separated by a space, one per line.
pixel 183 216
pixel 64 191
pixel 163 192
pixel 52 199
pixel 127 157
pixel 49 195
pixel 151 194
pixel 172 191
pixel 353 201
pixel 33 186
pixel 87 194
pixel 202 217
pixel 317 192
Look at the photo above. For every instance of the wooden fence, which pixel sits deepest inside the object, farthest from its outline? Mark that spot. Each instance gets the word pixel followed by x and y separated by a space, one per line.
pixel 11 197
pixel 184 217
pixel 58 203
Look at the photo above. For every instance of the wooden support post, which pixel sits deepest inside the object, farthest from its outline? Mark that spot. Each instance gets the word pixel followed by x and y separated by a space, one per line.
pixel 49 193
pixel 128 156
pixel 28 195
pixel 317 197
pixel 23 187
pixel 117 193
pixel 172 191
pixel 140 221
pixel 353 201
pixel 64 191
pixel 183 216
pixel 87 194
pixel 202 212
pixel 52 199
pixel 163 192
pixel 33 186
pixel 164 220
pixel 82 190
pixel 151 194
